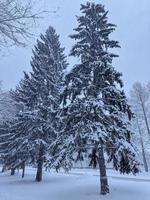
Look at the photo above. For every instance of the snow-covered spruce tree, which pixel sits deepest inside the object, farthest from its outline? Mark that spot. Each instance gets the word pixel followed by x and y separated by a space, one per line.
pixel 8 108
pixel 94 108
pixel 4 142
pixel 39 95
pixel 14 156
pixel 25 93
pixel 15 153
pixel 8 111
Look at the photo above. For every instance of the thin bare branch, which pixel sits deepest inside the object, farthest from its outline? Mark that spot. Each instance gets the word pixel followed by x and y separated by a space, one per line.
pixel 16 22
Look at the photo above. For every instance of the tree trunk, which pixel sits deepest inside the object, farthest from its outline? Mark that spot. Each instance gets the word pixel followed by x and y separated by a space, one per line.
pixel 142 146
pixel 39 165
pixel 103 176
pixel 23 169
pixel 144 160
pixel 12 172
pixel 3 169
pixel 145 116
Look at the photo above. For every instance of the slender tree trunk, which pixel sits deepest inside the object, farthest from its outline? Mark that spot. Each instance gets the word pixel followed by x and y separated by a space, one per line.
pixel 12 171
pixel 143 150
pixel 146 121
pixel 144 158
pixel 39 165
pixel 23 169
pixel 145 116
pixel 103 176
pixel 3 169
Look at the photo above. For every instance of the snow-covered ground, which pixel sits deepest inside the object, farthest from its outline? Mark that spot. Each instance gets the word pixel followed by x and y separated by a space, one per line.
pixel 78 185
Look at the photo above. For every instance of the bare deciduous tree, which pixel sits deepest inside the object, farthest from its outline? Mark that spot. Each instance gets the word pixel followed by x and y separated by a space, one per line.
pixel 141 96
pixel 16 21
pixel 139 99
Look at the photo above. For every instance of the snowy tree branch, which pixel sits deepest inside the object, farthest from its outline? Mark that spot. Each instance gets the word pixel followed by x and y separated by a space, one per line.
pixel 16 22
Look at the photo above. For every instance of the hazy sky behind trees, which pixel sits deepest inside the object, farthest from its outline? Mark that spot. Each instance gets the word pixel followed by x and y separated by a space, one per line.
pixel 132 18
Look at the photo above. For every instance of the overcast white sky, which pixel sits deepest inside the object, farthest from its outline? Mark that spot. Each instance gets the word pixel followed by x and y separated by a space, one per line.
pixel 132 18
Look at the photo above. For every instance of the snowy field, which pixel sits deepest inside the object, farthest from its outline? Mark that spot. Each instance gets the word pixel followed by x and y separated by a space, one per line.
pixel 78 185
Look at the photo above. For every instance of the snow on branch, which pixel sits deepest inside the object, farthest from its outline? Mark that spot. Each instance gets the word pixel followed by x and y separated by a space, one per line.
pixel 16 20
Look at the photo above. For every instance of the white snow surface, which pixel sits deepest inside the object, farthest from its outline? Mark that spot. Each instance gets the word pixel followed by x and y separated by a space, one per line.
pixel 79 184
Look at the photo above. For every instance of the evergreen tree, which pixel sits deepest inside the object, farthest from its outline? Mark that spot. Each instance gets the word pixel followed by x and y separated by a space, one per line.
pixel 4 141
pixel 94 108
pixel 8 108
pixel 24 94
pixel 8 112
pixel 38 95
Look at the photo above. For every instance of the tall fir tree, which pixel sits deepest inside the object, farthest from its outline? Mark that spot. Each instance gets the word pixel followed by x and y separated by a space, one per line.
pixel 94 108
pixel 38 97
